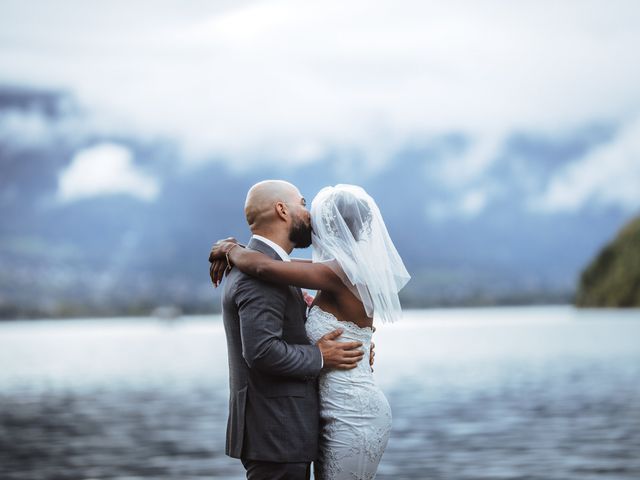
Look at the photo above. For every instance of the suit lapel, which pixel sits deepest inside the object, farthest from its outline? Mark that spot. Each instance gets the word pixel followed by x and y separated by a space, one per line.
pixel 298 295
pixel 255 244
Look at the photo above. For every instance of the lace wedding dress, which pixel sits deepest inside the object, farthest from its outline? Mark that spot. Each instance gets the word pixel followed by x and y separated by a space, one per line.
pixel 356 417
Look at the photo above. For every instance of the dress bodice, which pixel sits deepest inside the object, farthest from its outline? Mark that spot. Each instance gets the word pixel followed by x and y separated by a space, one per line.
pixel 356 418
pixel 320 323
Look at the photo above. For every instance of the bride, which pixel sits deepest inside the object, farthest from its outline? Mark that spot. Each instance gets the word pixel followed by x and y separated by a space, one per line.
pixel 358 274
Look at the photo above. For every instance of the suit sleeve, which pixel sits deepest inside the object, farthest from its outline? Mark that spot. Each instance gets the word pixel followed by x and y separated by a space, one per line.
pixel 261 307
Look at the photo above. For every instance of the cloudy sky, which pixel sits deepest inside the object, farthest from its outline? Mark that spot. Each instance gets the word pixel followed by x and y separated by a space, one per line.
pixel 292 82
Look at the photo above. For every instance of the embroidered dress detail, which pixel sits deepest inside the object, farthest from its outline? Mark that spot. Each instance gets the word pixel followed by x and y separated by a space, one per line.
pixel 355 414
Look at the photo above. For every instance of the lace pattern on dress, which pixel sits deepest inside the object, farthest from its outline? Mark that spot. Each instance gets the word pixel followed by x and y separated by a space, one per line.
pixel 356 418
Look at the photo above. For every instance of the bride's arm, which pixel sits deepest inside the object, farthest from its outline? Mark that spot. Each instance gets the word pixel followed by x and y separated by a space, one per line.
pixel 304 274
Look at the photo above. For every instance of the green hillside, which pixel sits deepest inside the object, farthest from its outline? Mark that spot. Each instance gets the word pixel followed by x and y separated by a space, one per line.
pixel 613 278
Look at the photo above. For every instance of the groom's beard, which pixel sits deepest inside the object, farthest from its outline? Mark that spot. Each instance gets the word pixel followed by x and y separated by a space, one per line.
pixel 300 234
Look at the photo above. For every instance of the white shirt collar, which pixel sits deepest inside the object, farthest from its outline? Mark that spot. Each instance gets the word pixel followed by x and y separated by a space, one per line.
pixel 279 250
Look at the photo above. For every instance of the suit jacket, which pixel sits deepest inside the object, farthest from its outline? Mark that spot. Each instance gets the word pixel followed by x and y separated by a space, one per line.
pixel 273 402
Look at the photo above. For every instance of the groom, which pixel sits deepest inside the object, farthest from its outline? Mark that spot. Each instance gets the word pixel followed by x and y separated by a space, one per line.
pixel 273 424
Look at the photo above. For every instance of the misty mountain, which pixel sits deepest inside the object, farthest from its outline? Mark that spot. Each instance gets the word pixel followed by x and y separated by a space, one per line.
pixel 115 253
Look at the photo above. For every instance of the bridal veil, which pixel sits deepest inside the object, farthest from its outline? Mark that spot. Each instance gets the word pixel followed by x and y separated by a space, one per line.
pixel 349 235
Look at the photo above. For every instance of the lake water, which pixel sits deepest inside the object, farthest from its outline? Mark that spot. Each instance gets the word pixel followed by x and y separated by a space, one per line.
pixel 501 393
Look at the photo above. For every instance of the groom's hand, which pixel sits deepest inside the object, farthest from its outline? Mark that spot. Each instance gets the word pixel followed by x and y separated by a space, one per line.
pixel 343 355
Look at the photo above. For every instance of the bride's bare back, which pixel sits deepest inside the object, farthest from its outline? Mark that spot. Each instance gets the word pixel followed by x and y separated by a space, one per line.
pixel 343 305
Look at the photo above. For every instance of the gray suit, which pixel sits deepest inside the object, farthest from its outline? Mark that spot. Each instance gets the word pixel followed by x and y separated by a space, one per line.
pixel 273 404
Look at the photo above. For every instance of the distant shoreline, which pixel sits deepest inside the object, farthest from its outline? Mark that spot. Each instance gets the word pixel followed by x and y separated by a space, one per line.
pixel 148 307
pixel 187 316
pixel 407 310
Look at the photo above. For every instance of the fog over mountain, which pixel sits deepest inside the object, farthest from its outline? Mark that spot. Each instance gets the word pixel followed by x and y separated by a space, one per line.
pixel 501 140
pixel 102 220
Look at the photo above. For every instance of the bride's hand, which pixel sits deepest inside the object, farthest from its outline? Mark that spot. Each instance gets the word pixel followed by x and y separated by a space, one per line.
pixel 217 270
pixel 218 260
pixel 221 247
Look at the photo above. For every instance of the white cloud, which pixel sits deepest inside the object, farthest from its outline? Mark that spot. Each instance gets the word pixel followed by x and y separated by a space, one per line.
pixel 105 169
pixel 467 204
pixel 288 81
pixel 36 126
pixel 458 170
pixel 608 175
pixel 24 128
pixel 473 202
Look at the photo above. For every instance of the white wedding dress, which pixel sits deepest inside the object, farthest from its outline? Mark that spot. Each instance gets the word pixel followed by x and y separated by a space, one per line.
pixel 356 417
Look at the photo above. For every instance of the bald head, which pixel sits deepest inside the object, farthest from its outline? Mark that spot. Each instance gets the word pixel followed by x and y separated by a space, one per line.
pixel 259 207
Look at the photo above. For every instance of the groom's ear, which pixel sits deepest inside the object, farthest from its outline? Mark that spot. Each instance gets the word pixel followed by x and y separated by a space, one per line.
pixel 281 210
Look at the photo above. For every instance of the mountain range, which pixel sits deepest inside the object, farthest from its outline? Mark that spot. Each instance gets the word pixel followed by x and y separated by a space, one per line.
pixel 117 253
